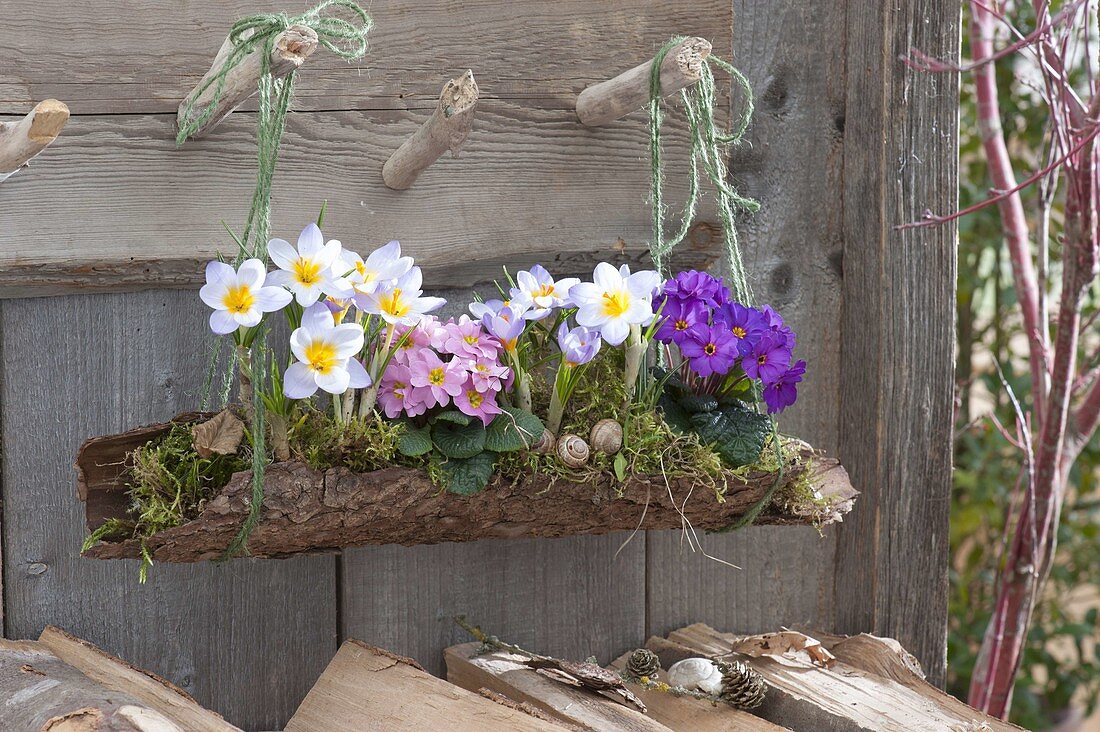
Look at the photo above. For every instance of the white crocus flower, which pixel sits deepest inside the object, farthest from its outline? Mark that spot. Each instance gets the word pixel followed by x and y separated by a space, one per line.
pixel 401 302
pixel 538 293
pixel 326 355
pixel 307 270
pixel 615 300
pixel 381 267
pixel 239 297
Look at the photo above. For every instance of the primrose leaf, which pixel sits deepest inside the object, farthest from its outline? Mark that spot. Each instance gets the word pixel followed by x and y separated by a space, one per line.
pixel 696 403
pixel 459 440
pixel 513 429
pixel 469 476
pixel 415 440
pixel 675 415
pixel 454 416
pixel 736 434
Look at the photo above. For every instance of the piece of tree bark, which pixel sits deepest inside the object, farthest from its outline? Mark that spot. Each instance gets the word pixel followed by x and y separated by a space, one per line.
pixel 506 674
pixel 308 510
pixel 63 684
pixel 367 688
pixel 291 49
pixel 447 129
pixel 22 140
pixel 844 698
pixel 609 100
pixel 698 715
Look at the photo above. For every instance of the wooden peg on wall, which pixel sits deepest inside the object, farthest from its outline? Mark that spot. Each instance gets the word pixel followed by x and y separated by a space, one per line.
pixel 292 47
pixel 446 129
pixel 22 140
pixel 609 100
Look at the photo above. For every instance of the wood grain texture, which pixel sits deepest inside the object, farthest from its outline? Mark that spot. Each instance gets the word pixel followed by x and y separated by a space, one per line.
pixel 531 186
pixel 246 639
pixel 792 248
pixel 899 289
pixel 365 688
pixel 536 50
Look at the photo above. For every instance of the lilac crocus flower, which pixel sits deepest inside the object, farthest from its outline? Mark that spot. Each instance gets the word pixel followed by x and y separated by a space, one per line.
pixel 746 324
pixel 482 309
pixel 537 292
pixel 783 392
pixel 579 345
pixel 710 349
pixel 506 325
pixel 768 359
pixel 677 316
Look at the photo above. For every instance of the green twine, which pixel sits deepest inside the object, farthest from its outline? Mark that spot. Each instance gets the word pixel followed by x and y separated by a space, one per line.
pixel 707 148
pixel 257 33
pixel 707 144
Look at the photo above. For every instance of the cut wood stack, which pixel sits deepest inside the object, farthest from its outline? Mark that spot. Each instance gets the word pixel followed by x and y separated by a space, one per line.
pixel 61 683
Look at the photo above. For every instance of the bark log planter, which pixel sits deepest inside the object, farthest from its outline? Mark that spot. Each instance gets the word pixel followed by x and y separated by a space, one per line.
pixel 307 510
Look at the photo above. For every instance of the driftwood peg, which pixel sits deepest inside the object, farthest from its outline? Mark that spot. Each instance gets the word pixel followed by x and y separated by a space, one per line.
pixel 609 100
pixel 446 129
pixel 22 140
pixel 292 47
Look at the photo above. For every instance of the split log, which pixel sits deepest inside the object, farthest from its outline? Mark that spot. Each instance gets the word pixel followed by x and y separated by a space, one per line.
pixel 848 697
pixel 506 674
pixel 63 684
pixel 698 715
pixel 365 688
pixel 22 140
pixel 291 49
pixel 609 100
pixel 446 129
pixel 308 510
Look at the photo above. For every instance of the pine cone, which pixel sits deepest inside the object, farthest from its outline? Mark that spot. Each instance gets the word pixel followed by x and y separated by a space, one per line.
pixel 643 662
pixel 742 686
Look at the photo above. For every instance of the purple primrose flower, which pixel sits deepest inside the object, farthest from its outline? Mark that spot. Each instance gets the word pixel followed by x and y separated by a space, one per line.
pixel 783 392
pixel 710 349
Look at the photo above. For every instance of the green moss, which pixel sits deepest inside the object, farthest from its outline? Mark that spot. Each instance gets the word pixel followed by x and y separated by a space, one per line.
pixel 362 445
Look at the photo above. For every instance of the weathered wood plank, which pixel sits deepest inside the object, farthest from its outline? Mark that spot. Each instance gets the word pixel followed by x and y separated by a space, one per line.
pixel 570 598
pixel 159 49
pixel 246 639
pixel 898 330
pixel 367 688
pixel 792 248
pixel 532 185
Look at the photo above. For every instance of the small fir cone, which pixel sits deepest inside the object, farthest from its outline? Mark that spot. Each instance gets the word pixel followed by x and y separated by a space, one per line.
pixel 742 686
pixel 643 663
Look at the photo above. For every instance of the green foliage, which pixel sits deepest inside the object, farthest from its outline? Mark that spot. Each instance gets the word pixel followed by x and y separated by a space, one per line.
pixel 514 429
pixel 469 476
pixel 361 445
pixel 459 440
pixel 732 430
pixel 415 441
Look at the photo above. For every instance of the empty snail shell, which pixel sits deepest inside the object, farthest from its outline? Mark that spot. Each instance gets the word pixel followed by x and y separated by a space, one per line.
pixel 696 673
pixel 572 451
pixel 545 444
pixel 606 436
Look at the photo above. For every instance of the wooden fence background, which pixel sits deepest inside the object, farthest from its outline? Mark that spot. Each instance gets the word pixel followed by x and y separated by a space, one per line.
pixel 845 144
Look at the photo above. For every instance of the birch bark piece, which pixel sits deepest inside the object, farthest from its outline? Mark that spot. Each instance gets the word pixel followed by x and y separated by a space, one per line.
pixel 447 129
pixel 367 688
pixel 609 100
pixel 22 140
pixel 291 49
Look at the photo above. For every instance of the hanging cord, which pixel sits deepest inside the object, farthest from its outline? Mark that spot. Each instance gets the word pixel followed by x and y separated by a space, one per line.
pixel 348 40
pixel 708 147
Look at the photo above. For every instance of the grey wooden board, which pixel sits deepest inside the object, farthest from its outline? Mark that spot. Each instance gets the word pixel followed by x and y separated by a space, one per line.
pixel 127 210
pixel 567 597
pixel 531 180
pixel 109 57
pixel 247 638
pixel 792 248
pixel 896 383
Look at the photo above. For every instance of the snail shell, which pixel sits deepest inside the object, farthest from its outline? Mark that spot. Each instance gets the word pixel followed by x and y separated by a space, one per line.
pixel 696 673
pixel 606 436
pixel 545 444
pixel 572 451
